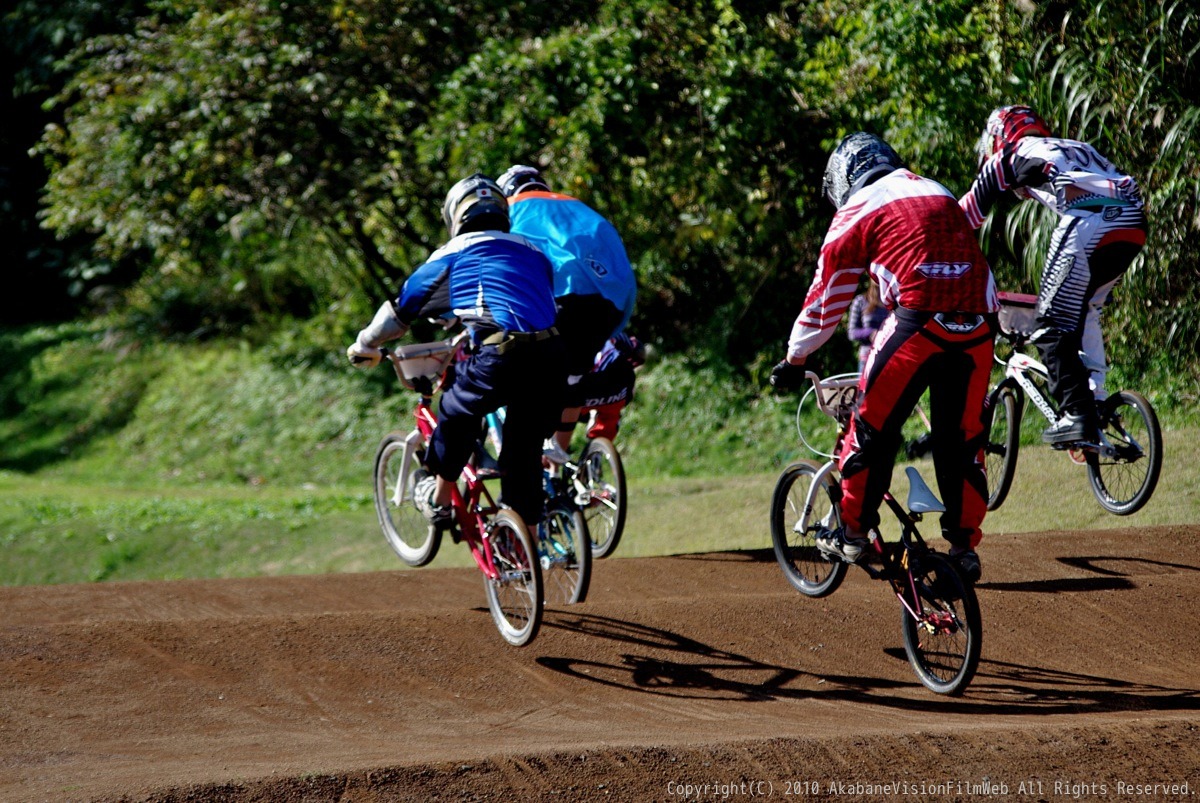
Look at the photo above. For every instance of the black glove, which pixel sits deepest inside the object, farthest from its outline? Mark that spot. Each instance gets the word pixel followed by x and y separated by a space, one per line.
pixel 787 377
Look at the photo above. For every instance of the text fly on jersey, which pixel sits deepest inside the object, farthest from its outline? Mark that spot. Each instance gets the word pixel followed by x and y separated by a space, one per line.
pixel 944 270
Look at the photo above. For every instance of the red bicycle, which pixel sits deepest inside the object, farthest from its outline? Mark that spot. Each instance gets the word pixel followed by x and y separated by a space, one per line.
pixel 497 537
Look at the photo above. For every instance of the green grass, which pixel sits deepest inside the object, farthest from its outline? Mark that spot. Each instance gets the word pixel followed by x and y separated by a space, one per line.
pixel 131 461
pixel 57 531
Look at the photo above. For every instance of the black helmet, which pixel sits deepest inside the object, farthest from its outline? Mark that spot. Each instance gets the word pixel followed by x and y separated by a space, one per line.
pixel 475 204
pixel 520 178
pixel 858 160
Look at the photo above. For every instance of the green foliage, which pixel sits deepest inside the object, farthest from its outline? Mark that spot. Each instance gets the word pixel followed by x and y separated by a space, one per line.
pixel 912 73
pixel 677 122
pixel 62 388
pixel 54 532
pixel 696 417
pixel 213 123
pixel 1124 77
pixel 242 145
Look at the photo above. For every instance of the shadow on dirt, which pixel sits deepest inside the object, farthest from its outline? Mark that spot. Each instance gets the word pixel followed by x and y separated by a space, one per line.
pixel 660 662
pixel 739 556
pixel 1109 579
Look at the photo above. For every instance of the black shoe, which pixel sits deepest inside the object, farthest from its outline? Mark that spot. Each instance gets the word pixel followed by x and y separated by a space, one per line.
pixel 920 447
pixel 442 517
pixel 968 564
pixel 1070 428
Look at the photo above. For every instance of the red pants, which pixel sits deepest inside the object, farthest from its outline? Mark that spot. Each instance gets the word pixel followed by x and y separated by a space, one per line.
pixel 607 420
pixel 951 355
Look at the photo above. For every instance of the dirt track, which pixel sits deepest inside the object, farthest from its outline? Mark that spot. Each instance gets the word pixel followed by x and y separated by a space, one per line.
pixel 690 670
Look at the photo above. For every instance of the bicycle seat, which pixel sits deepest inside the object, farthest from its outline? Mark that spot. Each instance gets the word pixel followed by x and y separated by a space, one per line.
pixel 920 498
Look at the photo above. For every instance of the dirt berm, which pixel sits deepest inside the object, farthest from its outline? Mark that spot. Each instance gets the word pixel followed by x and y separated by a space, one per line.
pixel 698 677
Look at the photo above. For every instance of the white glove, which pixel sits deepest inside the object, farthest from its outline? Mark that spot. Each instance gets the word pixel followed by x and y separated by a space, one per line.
pixel 364 356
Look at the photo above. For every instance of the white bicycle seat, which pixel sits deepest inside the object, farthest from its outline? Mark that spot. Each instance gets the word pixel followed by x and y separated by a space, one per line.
pixel 920 498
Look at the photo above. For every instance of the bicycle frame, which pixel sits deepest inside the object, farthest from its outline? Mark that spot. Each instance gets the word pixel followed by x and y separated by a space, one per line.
pixel 907 518
pixel 1026 373
pixel 1018 368
pixel 897 569
pixel 894 555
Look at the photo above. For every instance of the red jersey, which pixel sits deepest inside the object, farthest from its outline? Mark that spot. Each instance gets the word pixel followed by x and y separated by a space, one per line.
pixel 913 237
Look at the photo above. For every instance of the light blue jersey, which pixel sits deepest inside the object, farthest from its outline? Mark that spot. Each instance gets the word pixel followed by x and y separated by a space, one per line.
pixel 586 251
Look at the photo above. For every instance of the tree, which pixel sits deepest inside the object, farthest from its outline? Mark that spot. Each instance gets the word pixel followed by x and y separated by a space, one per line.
pixel 214 121
pixel 46 277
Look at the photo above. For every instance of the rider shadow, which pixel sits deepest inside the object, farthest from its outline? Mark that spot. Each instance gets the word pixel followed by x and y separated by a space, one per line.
pixel 732 556
pixel 694 670
pixel 1007 688
pixel 1108 579
pixel 698 671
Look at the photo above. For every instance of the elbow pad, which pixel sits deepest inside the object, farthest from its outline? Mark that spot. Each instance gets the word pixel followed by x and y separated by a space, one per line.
pixel 383 327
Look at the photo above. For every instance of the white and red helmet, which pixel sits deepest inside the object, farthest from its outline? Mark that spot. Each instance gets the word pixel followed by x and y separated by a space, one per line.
pixel 1005 126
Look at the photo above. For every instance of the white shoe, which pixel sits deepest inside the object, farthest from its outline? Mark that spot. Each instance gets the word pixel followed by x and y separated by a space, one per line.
pixel 555 453
pixel 836 544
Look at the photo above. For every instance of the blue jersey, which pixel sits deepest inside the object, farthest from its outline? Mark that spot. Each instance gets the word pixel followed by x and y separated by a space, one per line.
pixel 489 279
pixel 588 255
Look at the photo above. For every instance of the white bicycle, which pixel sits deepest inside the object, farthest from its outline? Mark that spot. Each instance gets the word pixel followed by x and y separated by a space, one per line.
pixel 1123 463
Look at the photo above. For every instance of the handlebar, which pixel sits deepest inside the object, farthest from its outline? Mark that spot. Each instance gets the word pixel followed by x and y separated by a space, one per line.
pixel 422 366
pixel 835 395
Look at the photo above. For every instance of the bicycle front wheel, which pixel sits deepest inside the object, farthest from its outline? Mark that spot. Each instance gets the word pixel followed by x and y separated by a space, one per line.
pixel 795 524
pixel 1003 444
pixel 1124 480
pixel 565 553
pixel 404 526
pixel 943 631
pixel 602 475
pixel 515 595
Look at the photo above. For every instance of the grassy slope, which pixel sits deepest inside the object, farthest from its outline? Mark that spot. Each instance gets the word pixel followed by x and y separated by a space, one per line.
pixel 143 461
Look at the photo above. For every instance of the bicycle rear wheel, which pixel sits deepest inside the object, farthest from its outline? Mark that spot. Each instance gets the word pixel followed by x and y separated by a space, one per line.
pixel 404 526
pixel 601 473
pixel 943 633
pixel 565 553
pixel 1003 445
pixel 796 524
pixel 1124 482
pixel 515 597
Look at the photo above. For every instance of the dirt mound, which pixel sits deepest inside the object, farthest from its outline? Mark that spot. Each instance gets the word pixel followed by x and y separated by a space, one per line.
pixel 694 677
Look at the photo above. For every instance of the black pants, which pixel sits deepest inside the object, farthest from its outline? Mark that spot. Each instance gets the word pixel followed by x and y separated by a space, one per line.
pixel 585 323
pixel 527 379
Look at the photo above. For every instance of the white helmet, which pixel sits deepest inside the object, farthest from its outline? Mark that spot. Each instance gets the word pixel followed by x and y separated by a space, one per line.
pixel 520 178
pixel 475 204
